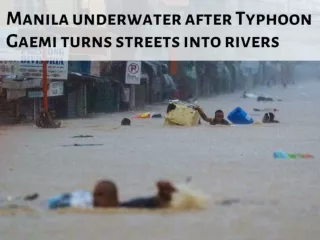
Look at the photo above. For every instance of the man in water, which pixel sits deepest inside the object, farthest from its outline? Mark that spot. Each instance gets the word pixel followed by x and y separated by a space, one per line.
pixel 217 120
pixel 269 118
pixel 161 200
pixel 125 122
pixel 105 195
pixel 264 99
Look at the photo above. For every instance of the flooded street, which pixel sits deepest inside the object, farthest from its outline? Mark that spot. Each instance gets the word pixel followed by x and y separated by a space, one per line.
pixel 279 199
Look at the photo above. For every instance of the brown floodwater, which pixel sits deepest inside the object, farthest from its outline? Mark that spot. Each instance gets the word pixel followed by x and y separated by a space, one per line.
pixel 279 199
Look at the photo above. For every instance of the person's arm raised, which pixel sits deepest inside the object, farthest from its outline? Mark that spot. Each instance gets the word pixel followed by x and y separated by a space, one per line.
pixel 203 115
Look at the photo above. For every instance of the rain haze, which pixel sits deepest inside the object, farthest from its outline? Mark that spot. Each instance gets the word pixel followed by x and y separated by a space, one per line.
pixel 277 198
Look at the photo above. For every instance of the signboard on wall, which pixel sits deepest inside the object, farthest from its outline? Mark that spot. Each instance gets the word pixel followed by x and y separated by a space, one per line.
pixel 95 69
pixel 126 95
pixel 7 68
pixel 33 69
pixel 30 65
pixel 55 89
pixel 133 72
pixel 15 93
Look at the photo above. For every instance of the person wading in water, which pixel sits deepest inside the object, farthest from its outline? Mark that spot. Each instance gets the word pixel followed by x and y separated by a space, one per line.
pixel 105 195
pixel 217 120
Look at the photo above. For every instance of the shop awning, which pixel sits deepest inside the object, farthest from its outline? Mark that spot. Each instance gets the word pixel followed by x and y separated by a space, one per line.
pixel 17 82
pixel 106 79
pixel 154 65
pixel 74 76
pixel 90 79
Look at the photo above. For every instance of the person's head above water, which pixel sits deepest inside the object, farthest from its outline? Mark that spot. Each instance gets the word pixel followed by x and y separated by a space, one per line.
pixel 269 118
pixel 165 191
pixel 219 115
pixel 105 194
pixel 266 118
pixel 125 122
pixel 271 115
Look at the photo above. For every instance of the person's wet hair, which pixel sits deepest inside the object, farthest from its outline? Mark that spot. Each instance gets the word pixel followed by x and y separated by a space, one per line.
pixel 125 122
pixel 271 117
pixel 266 118
pixel 219 111
pixel 105 194
pixel 165 190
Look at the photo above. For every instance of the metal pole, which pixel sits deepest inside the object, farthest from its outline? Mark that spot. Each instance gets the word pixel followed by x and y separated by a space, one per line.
pixel 133 96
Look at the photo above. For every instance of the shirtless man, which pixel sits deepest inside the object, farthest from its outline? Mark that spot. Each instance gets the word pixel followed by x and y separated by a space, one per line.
pixel 217 120
pixel 161 200
pixel 105 195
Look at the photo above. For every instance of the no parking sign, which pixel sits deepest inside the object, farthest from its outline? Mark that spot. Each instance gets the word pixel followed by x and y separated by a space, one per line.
pixel 133 72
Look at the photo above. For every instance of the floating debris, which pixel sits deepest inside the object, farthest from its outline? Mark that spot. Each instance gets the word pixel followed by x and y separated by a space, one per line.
pixel 284 155
pixel 266 110
pixel 188 179
pixel 83 136
pixel 81 145
pixel 229 202
pixel 31 197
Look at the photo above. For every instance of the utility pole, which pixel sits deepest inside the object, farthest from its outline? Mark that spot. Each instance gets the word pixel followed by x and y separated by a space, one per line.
pixel 44 69
pixel 45 81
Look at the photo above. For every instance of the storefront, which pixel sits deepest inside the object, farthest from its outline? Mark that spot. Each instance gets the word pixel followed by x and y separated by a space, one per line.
pixel 7 110
pixel 77 93
pixel 34 100
pixel 13 90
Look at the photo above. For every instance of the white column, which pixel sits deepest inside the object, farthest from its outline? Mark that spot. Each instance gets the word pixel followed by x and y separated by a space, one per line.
pixel 132 96
pixel 34 109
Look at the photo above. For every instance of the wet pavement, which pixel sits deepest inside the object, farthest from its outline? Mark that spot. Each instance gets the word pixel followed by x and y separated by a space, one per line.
pixel 273 198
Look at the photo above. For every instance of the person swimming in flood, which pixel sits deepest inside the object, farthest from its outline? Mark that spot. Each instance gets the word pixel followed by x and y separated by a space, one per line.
pixel 265 99
pixel 161 200
pixel 269 118
pixel 259 98
pixel 125 122
pixel 217 120
pixel 105 195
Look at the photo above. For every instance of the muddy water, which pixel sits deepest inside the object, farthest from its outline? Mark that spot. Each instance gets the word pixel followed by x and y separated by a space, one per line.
pixel 280 199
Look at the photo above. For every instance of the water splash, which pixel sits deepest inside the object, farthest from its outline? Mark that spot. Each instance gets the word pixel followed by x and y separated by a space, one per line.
pixel 189 198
